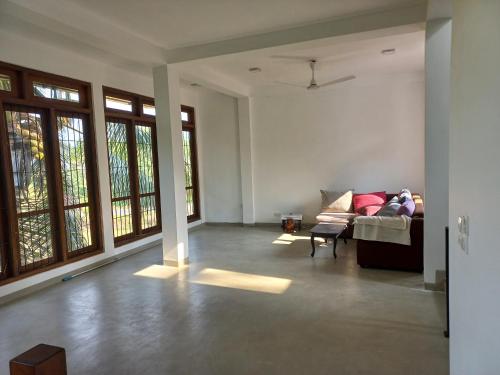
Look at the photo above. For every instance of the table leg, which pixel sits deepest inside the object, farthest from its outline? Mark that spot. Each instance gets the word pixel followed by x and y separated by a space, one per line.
pixel 335 247
pixel 312 244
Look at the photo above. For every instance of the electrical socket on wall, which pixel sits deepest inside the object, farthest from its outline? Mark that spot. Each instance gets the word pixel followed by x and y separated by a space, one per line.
pixel 463 233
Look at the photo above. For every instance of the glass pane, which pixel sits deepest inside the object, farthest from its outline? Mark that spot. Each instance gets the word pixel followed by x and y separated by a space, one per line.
pixel 28 160
pixel 186 148
pixel 118 159
pixel 74 178
pixel 35 238
pixel 45 90
pixel 72 155
pixel 29 176
pixel 78 231
pixel 184 116
pixel 117 103
pixel 189 202
pixel 148 211
pixel 3 243
pixel 149 109
pixel 144 143
pixel 122 217
pixel 5 84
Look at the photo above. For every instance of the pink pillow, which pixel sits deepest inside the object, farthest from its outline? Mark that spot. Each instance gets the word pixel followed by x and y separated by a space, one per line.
pixel 369 204
pixel 370 210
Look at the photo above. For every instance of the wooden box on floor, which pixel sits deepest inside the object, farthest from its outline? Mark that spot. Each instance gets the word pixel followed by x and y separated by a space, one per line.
pixel 40 360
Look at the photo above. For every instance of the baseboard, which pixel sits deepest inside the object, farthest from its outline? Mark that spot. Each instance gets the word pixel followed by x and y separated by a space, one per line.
pixel 176 263
pixel 278 225
pixel 57 279
pixel 435 287
pixel 439 284
pixel 221 223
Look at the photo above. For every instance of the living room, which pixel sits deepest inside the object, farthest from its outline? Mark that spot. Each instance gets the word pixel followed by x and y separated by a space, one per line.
pixel 165 180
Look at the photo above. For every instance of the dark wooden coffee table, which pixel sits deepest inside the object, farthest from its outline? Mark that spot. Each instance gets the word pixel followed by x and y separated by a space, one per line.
pixel 327 230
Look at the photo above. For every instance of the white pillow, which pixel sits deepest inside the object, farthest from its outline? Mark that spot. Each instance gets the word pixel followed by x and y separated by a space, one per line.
pixel 335 201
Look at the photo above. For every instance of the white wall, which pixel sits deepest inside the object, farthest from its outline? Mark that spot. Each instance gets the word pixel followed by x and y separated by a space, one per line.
pixel 367 137
pixel 220 156
pixel 437 124
pixel 474 188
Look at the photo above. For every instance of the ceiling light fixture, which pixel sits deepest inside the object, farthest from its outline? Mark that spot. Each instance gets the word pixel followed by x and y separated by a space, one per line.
pixel 389 51
pixel 255 69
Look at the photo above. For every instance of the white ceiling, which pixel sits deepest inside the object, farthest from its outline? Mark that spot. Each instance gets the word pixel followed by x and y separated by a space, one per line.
pixel 337 57
pixel 140 34
pixel 177 23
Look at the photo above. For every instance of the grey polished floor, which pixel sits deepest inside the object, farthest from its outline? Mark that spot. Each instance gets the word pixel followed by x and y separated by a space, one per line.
pixel 251 302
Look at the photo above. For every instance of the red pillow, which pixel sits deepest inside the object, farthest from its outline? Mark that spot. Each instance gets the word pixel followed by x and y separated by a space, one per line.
pixel 369 204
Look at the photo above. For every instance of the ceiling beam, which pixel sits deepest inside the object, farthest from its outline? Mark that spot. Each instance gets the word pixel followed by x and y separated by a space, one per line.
pixel 337 27
pixel 214 80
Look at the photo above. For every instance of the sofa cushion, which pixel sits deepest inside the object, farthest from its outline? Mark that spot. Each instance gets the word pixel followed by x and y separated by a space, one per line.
pixel 407 208
pixel 336 201
pixel 391 208
pixel 370 210
pixel 371 203
pixel 404 195
pixel 419 205
pixel 336 217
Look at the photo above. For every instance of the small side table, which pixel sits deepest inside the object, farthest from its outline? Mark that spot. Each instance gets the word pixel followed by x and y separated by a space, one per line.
pixel 297 218
pixel 327 230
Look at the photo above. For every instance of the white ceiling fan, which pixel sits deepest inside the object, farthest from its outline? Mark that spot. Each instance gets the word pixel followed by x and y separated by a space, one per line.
pixel 313 85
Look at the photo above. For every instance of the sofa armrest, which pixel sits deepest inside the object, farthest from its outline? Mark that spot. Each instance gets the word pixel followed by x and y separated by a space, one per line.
pixel 417 232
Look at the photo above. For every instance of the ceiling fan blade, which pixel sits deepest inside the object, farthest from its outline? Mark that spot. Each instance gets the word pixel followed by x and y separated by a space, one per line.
pixel 297 58
pixel 290 84
pixel 338 80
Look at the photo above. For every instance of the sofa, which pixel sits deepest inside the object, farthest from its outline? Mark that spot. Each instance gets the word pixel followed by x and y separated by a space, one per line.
pixel 386 255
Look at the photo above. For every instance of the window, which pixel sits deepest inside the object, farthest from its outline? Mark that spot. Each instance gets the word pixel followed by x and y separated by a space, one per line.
pixel 5 84
pixel 55 92
pixel 118 104
pixel 190 163
pixel 133 168
pixel 149 110
pixel 50 210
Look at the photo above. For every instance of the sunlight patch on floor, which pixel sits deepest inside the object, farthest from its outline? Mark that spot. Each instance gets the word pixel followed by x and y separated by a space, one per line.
pixel 289 238
pixel 157 271
pixel 244 281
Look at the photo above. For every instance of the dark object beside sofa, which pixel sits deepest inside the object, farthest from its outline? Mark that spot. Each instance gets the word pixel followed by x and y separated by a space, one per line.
pixel 386 255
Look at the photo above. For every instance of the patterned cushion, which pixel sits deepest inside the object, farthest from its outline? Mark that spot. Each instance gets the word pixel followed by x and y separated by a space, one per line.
pixel 391 208
pixel 407 208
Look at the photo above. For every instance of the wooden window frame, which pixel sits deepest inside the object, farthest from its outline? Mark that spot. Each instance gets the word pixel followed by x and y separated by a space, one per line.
pixel 190 126
pixel 131 120
pixel 22 97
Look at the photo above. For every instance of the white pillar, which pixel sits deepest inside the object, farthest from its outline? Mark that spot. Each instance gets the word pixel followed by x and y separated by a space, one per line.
pixel 246 161
pixel 437 125
pixel 171 165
